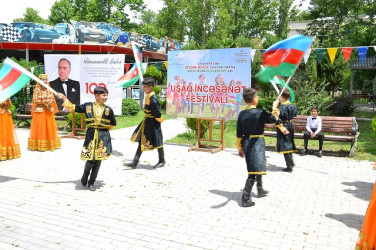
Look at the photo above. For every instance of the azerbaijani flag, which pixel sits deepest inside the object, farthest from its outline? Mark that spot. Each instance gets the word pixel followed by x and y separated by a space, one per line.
pixel 279 81
pixel 132 76
pixel 283 58
pixel 12 79
pixel 129 79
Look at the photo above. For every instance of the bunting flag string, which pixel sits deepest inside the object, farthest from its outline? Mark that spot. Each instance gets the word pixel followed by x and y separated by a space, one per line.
pixel 306 55
pixel 321 52
pixel 332 53
pixel 346 53
pixel 362 51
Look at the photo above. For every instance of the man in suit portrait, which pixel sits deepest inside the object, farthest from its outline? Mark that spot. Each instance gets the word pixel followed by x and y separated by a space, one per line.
pixel 70 88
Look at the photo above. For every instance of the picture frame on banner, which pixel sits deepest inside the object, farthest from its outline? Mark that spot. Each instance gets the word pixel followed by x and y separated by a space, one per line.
pixel 88 71
pixel 136 94
pixel 207 83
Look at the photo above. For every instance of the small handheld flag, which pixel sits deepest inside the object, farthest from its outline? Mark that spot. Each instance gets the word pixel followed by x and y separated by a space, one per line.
pixel 135 73
pixel 14 77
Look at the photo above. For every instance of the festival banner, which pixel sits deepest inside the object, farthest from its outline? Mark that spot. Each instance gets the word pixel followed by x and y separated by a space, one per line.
pixel 207 83
pixel 89 71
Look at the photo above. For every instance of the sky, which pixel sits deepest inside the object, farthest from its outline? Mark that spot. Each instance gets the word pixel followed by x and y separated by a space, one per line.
pixel 17 9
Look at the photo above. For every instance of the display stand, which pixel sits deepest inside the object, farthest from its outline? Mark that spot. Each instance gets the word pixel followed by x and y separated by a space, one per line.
pixel 74 134
pixel 209 148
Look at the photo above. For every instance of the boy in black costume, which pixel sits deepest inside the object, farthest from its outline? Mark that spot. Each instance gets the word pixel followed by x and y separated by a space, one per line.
pixel 148 133
pixel 251 143
pixel 99 120
pixel 285 142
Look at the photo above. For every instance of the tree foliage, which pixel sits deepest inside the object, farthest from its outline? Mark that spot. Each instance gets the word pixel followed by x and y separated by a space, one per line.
pixel 30 15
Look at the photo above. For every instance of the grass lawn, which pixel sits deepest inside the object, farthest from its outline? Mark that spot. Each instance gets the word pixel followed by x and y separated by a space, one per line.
pixel 366 142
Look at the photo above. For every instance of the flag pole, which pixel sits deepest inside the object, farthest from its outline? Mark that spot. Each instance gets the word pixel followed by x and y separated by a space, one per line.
pixel 137 61
pixel 28 73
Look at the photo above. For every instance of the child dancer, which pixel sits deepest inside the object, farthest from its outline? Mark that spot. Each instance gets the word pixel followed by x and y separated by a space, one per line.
pixel 148 134
pixel 43 131
pixel 251 143
pixel 9 147
pixel 100 119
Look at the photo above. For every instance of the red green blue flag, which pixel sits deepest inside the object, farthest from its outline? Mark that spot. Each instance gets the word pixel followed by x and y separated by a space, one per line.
pixel 283 58
pixel 135 73
pixel 129 79
pixel 12 79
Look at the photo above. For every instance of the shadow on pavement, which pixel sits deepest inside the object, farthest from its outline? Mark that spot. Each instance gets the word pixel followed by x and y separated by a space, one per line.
pixel 117 153
pixel 350 220
pixel 231 196
pixel 359 193
pixel 6 178
pixel 78 185
pixel 140 166
pixel 339 153
pixel 275 168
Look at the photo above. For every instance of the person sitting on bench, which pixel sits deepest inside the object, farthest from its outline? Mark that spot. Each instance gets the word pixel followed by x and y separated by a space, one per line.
pixel 313 127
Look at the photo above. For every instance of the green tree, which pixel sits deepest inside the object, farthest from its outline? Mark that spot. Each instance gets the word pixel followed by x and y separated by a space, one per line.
pixel 31 15
pixel 61 12
pixel 284 10
pixel 197 16
pixel 171 20
pixel 152 71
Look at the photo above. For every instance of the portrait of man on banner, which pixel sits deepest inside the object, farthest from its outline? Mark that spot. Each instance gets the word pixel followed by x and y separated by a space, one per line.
pixel 65 85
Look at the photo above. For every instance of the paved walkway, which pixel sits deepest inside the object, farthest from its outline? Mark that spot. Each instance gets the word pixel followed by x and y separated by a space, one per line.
pixel 192 203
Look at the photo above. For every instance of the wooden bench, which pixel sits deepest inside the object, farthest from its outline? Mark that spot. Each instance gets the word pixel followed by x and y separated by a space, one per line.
pixel 341 129
pixel 23 118
pixel 360 96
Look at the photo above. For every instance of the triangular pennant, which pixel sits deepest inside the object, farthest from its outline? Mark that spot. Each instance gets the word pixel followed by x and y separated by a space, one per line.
pixel 306 55
pixel 126 66
pixel 346 53
pixel 332 53
pixel 32 70
pixel 253 51
pixel 362 51
pixel 374 48
pixel 319 54
pixel 158 66
pixel 166 65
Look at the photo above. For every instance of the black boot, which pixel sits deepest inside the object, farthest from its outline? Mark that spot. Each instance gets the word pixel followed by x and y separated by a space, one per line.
pixel 289 163
pixel 85 176
pixel 246 197
pixel 161 163
pixel 260 191
pixel 134 162
pixel 93 175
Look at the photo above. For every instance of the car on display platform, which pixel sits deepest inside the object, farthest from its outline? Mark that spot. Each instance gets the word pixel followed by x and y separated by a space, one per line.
pixel 114 33
pixel 67 33
pixel 36 32
pixel 88 32
pixel 137 38
pixel 151 43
